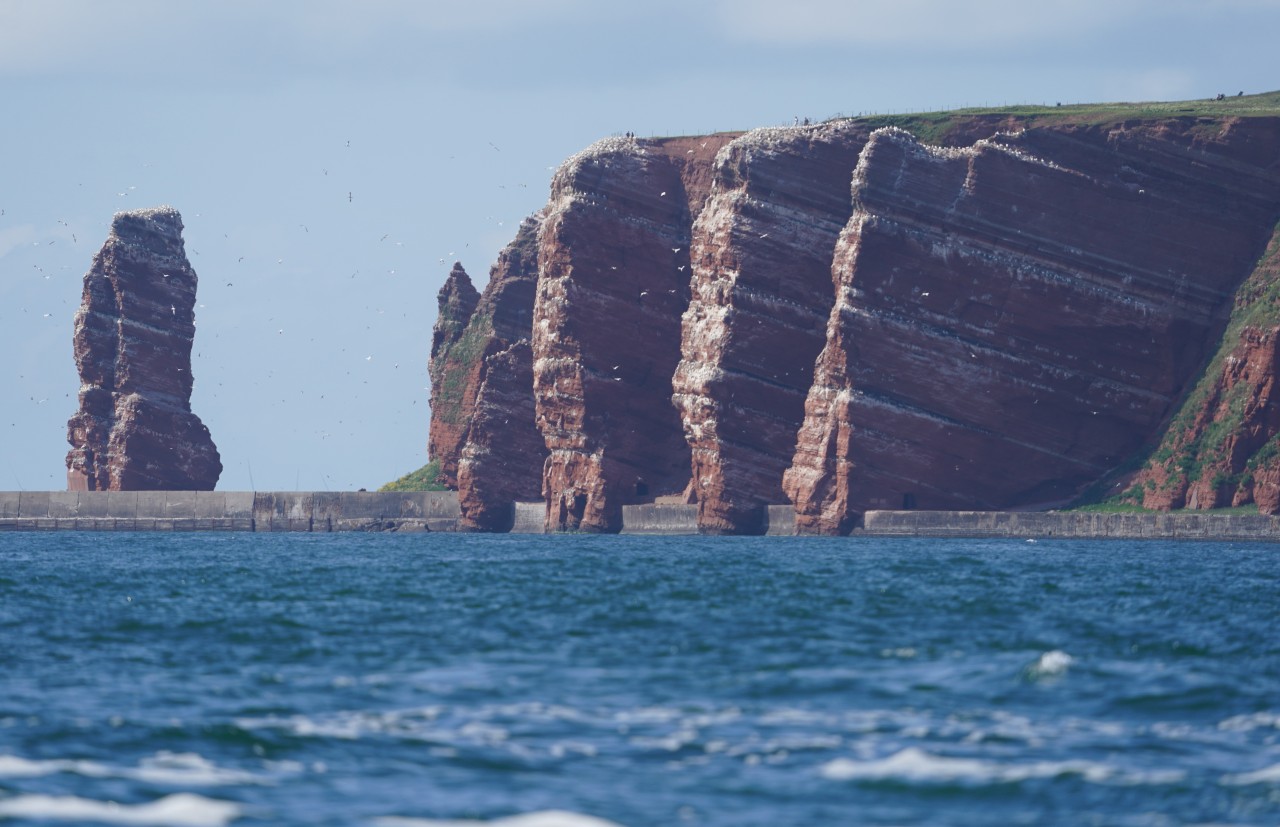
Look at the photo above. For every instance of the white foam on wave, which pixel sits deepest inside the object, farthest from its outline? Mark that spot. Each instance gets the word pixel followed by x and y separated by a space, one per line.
pixel 1051 664
pixel 1266 775
pixel 11 766
pixel 178 810
pixel 914 765
pixel 1250 722
pixel 542 818
pixel 167 768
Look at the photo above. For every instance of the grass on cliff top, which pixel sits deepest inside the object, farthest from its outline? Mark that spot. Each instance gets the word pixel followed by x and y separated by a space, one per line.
pixel 933 127
pixel 424 479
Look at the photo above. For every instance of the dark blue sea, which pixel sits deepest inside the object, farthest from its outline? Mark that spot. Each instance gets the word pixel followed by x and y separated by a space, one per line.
pixel 579 681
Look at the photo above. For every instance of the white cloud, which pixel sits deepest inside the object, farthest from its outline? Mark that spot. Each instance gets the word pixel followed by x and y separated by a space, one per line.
pixel 60 35
pixel 11 238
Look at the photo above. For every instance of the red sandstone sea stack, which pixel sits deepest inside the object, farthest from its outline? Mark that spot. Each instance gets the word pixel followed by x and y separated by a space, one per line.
pixel 134 430
pixel 455 373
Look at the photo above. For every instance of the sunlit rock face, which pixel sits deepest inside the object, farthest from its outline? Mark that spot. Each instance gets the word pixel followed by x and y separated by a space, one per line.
pixel 134 429
pixel 613 282
pixel 847 318
pixel 756 321
pixel 1014 319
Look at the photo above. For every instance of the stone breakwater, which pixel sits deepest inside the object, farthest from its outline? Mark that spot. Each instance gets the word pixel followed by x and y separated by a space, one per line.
pixel 227 511
pixel 335 511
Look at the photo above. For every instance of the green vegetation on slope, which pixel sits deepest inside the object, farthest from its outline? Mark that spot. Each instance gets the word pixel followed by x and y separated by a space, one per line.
pixel 1117 507
pixel 424 479
pixel 934 127
pixel 453 367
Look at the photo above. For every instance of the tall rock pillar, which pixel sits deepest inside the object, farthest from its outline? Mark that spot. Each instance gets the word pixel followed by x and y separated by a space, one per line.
pixel 134 429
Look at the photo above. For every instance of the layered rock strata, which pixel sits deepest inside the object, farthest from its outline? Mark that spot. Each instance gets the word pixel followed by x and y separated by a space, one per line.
pixel 1016 318
pixel 613 283
pixel 134 429
pixel 761 294
pixel 995 324
pixel 1223 447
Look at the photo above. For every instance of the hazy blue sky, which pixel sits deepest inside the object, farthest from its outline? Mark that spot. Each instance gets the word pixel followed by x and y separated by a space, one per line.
pixel 444 123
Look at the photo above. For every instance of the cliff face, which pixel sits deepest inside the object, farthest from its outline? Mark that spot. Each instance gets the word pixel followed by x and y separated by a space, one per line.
pixel 613 281
pixel 134 429
pixel 1223 447
pixel 761 291
pixel 845 318
pixel 503 453
pixel 1014 319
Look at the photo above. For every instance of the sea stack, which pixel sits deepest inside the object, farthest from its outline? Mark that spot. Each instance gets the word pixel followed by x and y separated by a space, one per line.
pixel 134 430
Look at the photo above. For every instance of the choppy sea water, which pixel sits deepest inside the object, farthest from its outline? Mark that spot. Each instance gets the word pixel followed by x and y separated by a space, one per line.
pixel 580 681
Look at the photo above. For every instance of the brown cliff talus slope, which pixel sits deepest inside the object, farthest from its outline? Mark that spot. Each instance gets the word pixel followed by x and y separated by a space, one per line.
pixel 613 281
pixel 1223 447
pixel 1014 319
pixel 134 429
pixel 761 292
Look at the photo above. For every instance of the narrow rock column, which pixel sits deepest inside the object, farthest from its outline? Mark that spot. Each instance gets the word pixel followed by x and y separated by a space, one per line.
pixel 134 429
pixel 456 351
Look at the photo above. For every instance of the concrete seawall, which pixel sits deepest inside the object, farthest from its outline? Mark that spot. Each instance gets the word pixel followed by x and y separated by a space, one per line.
pixel 1181 525
pixel 324 511
pixel 227 511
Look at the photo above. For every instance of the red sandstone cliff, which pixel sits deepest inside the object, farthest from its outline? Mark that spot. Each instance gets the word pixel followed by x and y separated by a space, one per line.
pixel 134 429
pixel 613 282
pixel 1016 318
pixel 996 324
pixel 761 294
pixel 503 453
